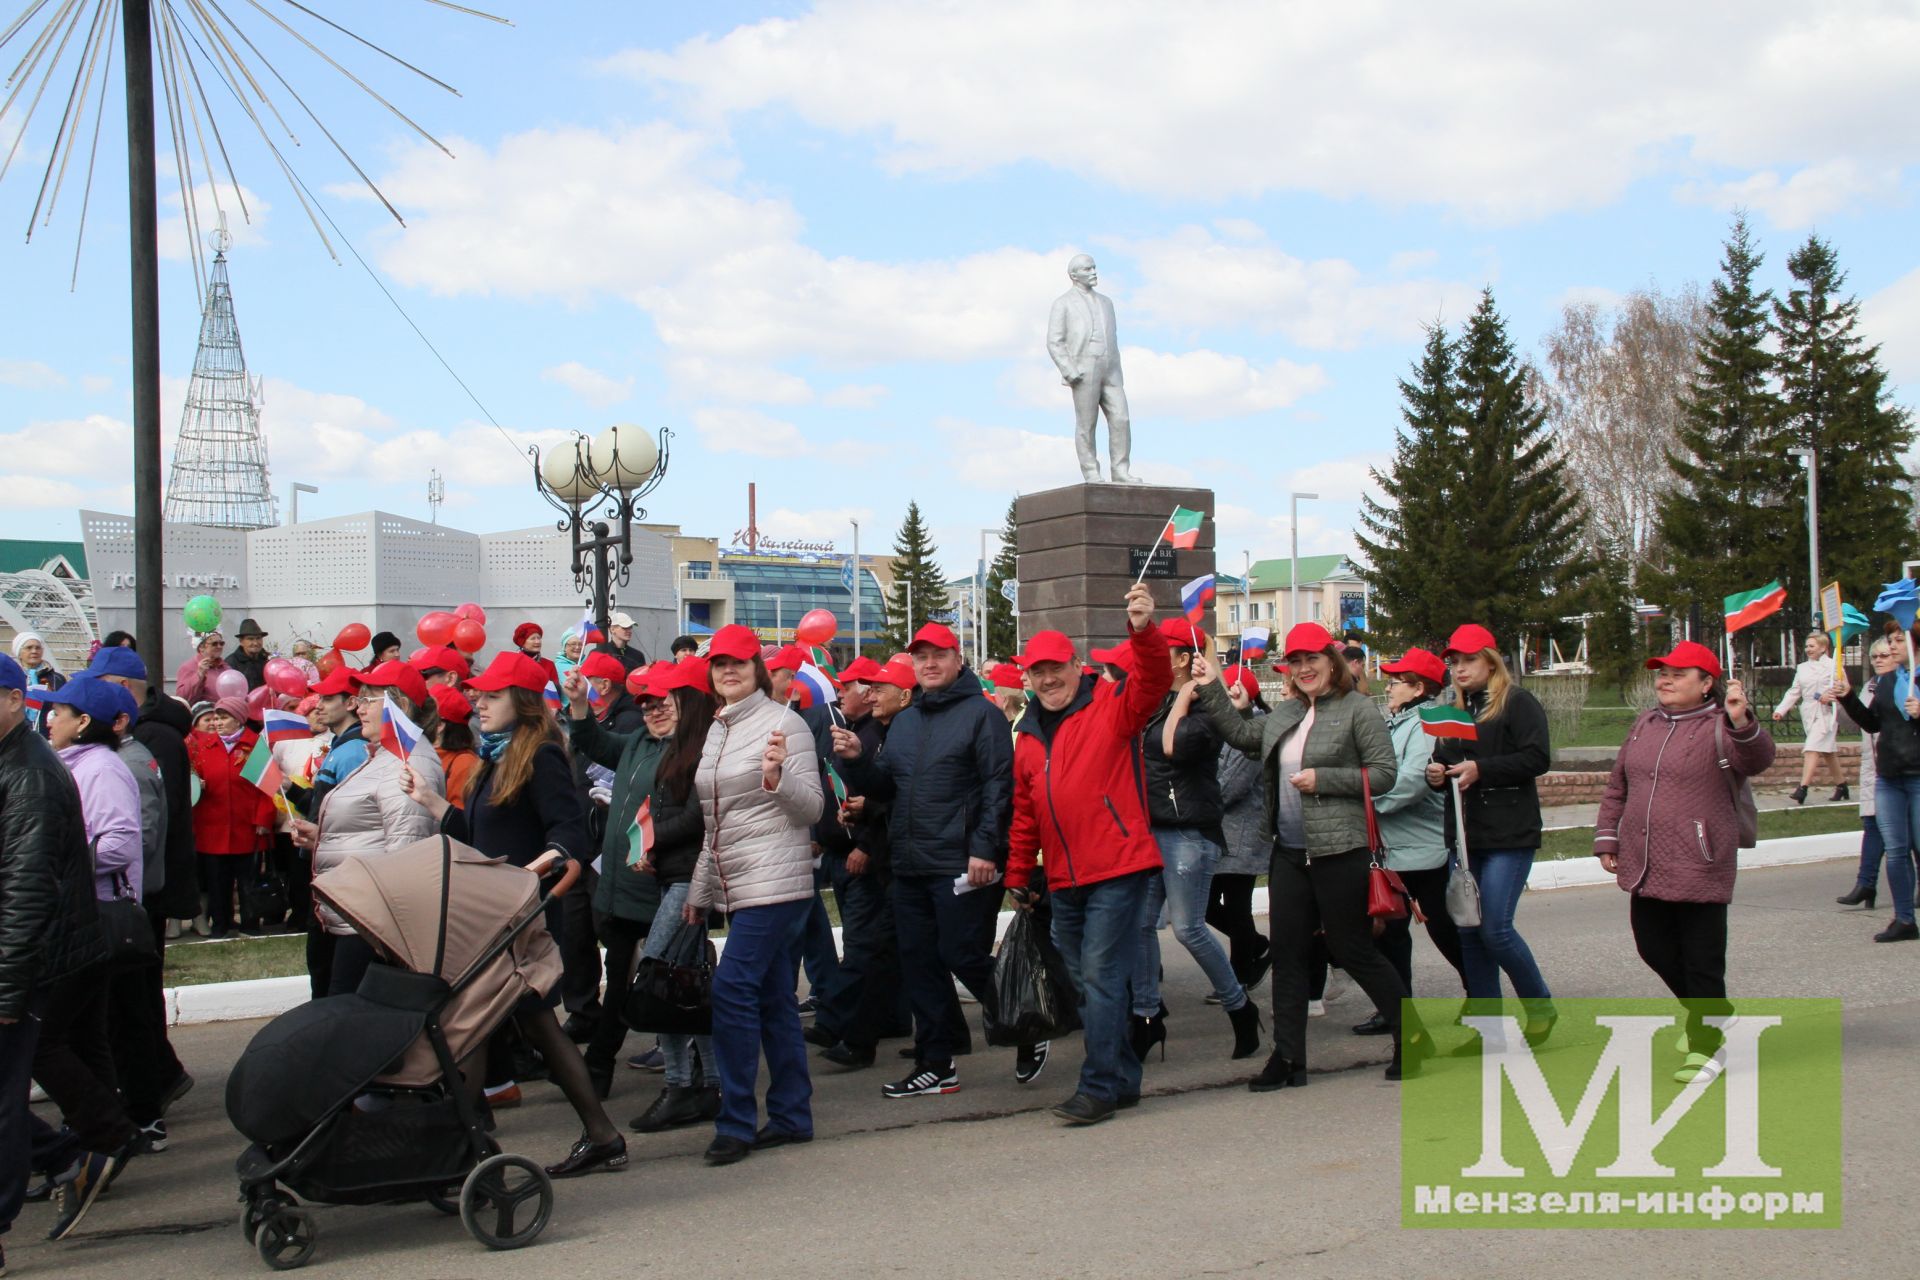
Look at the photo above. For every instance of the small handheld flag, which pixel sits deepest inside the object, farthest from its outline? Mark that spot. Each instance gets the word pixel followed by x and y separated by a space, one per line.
pixel 1197 597
pixel 261 769
pixel 1749 607
pixel 839 785
pixel 1449 722
pixel 1253 643
pixel 590 632
pixel 640 834
pixel 1183 528
pixel 398 734
pixel 34 706
pixel 277 727
pixel 1900 600
pixel 818 685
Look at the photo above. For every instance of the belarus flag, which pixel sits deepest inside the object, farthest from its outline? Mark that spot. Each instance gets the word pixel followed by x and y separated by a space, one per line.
pixel 1196 597
pixel 1253 643
pixel 397 733
pixel 283 726
pixel 1183 528
pixel 640 833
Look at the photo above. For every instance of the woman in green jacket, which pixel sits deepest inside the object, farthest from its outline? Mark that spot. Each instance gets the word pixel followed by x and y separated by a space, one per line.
pixel 1320 751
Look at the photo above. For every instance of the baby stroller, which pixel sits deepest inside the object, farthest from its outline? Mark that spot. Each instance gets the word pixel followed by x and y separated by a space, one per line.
pixel 357 1099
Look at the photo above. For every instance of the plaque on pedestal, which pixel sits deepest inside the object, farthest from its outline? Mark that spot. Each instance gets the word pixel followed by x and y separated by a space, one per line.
pixel 1081 547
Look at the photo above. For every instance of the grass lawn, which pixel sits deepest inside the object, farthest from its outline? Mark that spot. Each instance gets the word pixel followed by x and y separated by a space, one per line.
pixel 1775 824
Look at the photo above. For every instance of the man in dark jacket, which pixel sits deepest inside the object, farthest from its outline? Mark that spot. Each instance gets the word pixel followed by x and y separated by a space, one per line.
pixel 49 932
pixel 620 643
pixel 251 660
pixel 948 768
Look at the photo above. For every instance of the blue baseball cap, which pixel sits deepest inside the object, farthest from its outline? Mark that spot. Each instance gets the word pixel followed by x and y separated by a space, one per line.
pixel 88 695
pixel 121 699
pixel 118 661
pixel 11 674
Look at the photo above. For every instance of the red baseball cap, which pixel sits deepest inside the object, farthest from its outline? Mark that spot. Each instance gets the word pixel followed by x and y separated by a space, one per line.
pixel 1121 656
pixel 1471 638
pixel 444 658
pixel 1690 653
pixel 935 634
pixel 511 670
pixel 1307 637
pixel 603 666
pixel 1046 646
pixel 896 673
pixel 861 668
pixel 1182 634
pixel 1244 677
pixel 453 704
pixel 791 658
pixel 397 675
pixel 342 679
pixel 734 641
pixel 1420 663
pixel 1005 675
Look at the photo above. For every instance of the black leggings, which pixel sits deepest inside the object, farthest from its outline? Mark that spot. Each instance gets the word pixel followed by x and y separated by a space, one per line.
pixel 1429 889
pixel 1230 910
pixel 1329 893
pixel 1686 944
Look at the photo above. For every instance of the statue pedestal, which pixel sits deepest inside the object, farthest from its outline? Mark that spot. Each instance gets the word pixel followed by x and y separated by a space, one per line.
pixel 1081 547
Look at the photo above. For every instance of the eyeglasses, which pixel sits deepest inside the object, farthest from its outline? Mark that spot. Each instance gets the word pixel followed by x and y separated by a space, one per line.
pixel 367 699
pixel 655 707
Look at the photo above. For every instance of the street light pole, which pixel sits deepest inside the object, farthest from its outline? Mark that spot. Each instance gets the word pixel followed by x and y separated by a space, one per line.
pixel 1813 528
pixel 595 473
pixel 149 586
pixel 856 587
pixel 1293 573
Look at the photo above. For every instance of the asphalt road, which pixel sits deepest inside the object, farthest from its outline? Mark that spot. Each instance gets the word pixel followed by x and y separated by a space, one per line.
pixel 1204 1179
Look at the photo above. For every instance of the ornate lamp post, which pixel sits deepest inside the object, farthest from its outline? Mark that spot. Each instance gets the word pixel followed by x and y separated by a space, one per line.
pixel 594 482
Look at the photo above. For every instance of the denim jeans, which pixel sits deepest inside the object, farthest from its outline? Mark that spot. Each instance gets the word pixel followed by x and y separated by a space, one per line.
pixel 1896 806
pixel 754 1010
pixel 1185 884
pixel 1096 930
pixel 1495 945
pixel 671 936
pixel 1872 849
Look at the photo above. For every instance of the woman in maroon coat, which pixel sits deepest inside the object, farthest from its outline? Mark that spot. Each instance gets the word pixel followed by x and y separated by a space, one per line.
pixel 233 819
pixel 1669 832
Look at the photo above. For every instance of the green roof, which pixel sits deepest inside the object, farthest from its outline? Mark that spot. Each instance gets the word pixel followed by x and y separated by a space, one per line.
pixel 20 554
pixel 1277 575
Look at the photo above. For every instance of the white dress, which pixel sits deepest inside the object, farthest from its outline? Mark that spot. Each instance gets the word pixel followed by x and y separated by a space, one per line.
pixel 1810 680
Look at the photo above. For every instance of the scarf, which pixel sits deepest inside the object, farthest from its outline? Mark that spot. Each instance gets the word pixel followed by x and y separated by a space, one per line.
pixel 232 739
pixel 492 744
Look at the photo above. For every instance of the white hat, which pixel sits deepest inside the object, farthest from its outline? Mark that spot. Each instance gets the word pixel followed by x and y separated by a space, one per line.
pixel 620 620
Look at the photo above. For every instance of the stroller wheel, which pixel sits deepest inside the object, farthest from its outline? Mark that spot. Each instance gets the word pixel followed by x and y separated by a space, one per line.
pixel 446 1199
pixel 286 1239
pixel 506 1202
pixel 255 1212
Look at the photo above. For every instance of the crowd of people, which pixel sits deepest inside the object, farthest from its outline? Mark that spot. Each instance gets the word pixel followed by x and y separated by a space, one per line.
pixel 1110 795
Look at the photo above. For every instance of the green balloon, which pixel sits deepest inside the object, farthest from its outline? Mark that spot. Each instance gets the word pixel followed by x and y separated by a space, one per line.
pixel 202 613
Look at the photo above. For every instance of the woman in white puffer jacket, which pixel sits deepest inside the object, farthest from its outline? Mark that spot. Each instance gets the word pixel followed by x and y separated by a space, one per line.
pixel 759 790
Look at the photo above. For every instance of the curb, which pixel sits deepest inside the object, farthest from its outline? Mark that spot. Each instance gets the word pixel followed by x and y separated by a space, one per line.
pixel 266 997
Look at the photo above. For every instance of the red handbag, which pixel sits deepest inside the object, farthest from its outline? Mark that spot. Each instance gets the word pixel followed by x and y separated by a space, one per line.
pixel 1386 892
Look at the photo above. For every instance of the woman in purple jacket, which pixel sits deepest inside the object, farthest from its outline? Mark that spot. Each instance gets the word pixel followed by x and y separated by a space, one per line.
pixel 1668 830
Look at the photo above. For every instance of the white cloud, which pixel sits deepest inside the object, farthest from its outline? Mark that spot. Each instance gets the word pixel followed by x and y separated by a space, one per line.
pixel 855 396
pixel 828 524
pixel 1197 279
pixel 1010 459
pixel 1891 318
pixel 209 200
pixel 68 463
pixel 1189 384
pixel 1498 111
pixel 1808 195
pixel 1581 295
pixel 1239 528
pixel 744 382
pixel 95 384
pixel 596 388
pixel 750 432
pixel 30 375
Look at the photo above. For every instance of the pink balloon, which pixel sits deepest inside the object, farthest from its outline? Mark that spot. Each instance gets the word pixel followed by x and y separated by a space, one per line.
pixel 229 684
pixel 471 613
pixel 262 698
pixel 285 676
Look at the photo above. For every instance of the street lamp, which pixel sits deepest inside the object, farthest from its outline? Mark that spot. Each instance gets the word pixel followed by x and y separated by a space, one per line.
pixel 617 468
pixel 980 603
pixel 856 585
pixel 1293 573
pixel 1812 460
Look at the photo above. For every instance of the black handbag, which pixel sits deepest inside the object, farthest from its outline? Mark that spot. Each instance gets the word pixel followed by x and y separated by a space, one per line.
pixel 124 924
pixel 263 894
pixel 674 994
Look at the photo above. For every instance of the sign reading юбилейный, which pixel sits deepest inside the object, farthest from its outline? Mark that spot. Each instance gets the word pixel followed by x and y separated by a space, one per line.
pixel 1594 1126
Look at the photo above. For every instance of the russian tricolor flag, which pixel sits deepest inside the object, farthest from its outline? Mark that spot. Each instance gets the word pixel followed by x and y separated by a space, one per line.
pixel 1254 642
pixel 283 726
pixel 818 685
pixel 398 734
pixel 1196 597
pixel 34 706
pixel 590 632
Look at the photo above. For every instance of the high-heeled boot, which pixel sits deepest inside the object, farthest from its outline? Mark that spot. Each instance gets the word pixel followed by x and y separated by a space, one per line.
pixel 1246 1030
pixel 1858 895
pixel 1146 1033
pixel 1279 1073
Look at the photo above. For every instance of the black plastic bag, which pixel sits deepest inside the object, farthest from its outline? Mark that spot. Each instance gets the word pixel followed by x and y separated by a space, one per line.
pixel 1037 998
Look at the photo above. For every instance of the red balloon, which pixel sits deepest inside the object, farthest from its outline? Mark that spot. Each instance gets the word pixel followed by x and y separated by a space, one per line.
pixel 328 662
pixel 816 627
pixel 436 629
pixel 262 698
pixel 283 676
pixel 471 613
pixel 353 637
pixel 469 636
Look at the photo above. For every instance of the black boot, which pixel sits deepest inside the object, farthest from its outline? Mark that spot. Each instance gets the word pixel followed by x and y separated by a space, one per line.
pixel 1246 1030
pixel 1799 795
pixel 1841 793
pixel 1279 1073
pixel 1860 894
pixel 1148 1032
pixel 675 1108
pixel 1898 931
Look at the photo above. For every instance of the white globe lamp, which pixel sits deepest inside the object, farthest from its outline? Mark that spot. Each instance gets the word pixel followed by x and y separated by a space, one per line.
pixel 566 473
pixel 624 456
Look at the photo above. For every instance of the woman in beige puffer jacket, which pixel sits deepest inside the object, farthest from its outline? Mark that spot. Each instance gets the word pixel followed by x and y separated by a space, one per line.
pixel 759 790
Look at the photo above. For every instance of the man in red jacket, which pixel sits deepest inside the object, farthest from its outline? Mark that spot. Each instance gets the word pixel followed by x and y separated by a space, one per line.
pixel 1077 795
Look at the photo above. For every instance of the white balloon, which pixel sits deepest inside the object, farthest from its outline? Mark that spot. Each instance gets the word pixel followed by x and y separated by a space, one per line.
pixel 637 456
pixel 565 471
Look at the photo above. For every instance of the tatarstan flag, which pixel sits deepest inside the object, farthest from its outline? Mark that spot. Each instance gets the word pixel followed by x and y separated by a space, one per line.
pixel 261 769
pixel 1449 722
pixel 640 833
pixel 1749 607
pixel 1183 528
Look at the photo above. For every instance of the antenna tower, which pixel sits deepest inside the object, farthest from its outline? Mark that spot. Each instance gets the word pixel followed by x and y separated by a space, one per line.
pixel 436 494
pixel 219 474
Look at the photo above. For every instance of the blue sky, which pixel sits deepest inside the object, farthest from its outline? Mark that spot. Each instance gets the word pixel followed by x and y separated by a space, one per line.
pixel 819 241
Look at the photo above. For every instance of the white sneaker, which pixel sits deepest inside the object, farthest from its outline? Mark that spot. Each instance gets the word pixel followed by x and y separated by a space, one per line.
pixel 36 1094
pixel 173 930
pixel 1316 1008
pixel 203 925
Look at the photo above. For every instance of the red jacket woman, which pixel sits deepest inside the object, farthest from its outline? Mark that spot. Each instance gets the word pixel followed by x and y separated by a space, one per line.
pixel 231 811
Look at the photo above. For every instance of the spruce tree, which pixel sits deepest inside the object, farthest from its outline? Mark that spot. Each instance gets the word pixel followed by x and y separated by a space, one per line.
pixel 1520 523
pixel 917 581
pixel 1003 640
pixel 1727 525
pixel 1836 403
pixel 1413 550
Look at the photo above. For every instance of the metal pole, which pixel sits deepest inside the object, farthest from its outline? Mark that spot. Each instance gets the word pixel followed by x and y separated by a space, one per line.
pixel 856 587
pixel 1293 575
pixel 980 608
pixel 294 491
pixel 1813 532
pixel 776 620
pixel 602 575
pixel 143 240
